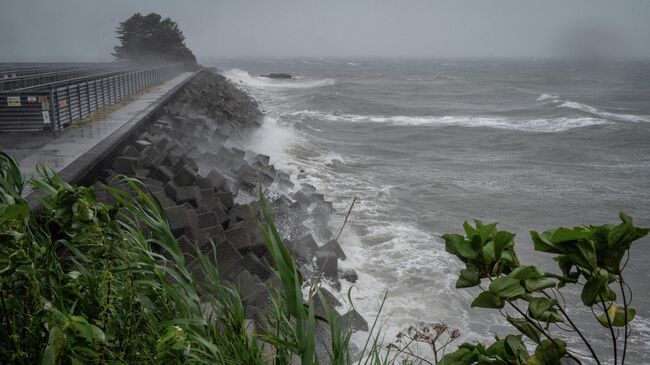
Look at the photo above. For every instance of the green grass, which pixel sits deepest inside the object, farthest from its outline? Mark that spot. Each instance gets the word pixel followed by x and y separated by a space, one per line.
pixel 86 282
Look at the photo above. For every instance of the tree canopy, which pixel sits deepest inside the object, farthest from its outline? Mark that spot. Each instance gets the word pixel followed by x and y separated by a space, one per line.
pixel 152 39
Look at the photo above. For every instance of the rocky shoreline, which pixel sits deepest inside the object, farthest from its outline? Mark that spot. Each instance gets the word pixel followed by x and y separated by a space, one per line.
pixel 193 159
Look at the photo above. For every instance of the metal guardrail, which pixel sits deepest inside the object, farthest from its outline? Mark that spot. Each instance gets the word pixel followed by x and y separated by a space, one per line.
pixel 57 104
pixel 13 83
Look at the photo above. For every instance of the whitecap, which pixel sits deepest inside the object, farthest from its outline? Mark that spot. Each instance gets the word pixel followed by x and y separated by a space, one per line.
pixel 545 97
pixel 532 125
pixel 604 114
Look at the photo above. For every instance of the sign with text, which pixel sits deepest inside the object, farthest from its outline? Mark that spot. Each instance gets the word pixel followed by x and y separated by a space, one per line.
pixel 32 100
pixel 13 101
pixel 46 118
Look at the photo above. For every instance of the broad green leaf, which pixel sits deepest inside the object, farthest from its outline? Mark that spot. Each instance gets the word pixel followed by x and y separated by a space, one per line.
pixel 488 252
pixel 539 284
pixel 550 352
pixel 585 256
pixel 608 294
pixel 517 347
pixel 616 316
pixel 538 305
pixel 55 342
pixel 542 242
pixel 457 245
pixel 525 327
pixel 563 234
pixel 486 230
pixel 465 355
pixel 593 288
pixel 469 230
pixel 502 240
pixel 526 272
pixel 488 300
pixel 565 264
pixel 467 279
pixel 507 288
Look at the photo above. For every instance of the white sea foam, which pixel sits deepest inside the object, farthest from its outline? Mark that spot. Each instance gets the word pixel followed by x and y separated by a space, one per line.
pixel 545 97
pixel 272 139
pixel 604 114
pixel 531 125
pixel 332 157
pixel 244 78
pixel 593 110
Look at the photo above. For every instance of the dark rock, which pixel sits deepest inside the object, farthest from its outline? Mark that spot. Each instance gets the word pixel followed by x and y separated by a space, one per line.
pixel 216 179
pixel 277 76
pixel 171 189
pixel 141 144
pixel 200 237
pixel 354 321
pixel 228 259
pixel 185 176
pixel 206 220
pixel 125 165
pixel 164 200
pixel 239 238
pixel 256 267
pixel 130 151
pixel 285 184
pixel 329 297
pixel 302 198
pixel 178 219
pixel 102 195
pixel 247 177
pixel 163 173
pixel 334 247
pixel 142 173
pixel 188 194
pixel 185 244
pixel 350 275
pixel 251 288
pixel 226 199
pixel 238 152
pixel 215 233
pixel 327 263
pixel 304 248
pixel 206 193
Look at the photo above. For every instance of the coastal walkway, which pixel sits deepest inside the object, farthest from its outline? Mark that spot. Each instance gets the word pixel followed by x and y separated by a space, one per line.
pixel 75 150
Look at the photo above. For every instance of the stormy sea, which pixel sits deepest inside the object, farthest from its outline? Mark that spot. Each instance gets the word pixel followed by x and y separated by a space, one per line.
pixel 427 144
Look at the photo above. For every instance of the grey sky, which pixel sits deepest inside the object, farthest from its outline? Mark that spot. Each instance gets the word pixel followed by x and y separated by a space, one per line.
pixel 71 30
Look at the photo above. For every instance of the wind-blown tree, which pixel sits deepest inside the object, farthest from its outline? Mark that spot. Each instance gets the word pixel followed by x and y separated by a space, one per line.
pixel 152 39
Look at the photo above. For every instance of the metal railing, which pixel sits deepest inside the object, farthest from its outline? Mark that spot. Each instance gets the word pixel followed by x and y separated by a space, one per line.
pixel 57 104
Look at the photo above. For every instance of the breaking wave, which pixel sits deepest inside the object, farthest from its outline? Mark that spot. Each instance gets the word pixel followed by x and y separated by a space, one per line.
pixel 592 110
pixel 533 125
pixel 242 77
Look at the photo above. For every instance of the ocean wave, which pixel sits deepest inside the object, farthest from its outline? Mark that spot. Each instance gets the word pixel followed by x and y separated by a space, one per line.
pixel 545 97
pixel 532 125
pixel 603 114
pixel 593 110
pixel 242 77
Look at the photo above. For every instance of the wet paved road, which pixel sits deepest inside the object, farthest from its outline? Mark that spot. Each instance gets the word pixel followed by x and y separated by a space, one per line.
pixel 57 150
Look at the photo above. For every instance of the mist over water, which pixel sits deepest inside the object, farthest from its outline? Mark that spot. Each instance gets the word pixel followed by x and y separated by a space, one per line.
pixel 427 144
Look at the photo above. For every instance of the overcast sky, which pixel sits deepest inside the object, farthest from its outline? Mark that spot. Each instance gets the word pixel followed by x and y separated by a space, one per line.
pixel 76 30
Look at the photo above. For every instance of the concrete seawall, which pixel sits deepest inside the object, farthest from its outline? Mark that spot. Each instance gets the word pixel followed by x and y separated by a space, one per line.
pixel 188 147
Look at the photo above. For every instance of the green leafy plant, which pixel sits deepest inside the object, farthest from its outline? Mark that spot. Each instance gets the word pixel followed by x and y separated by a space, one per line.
pixel 590 257
pixel 87 282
